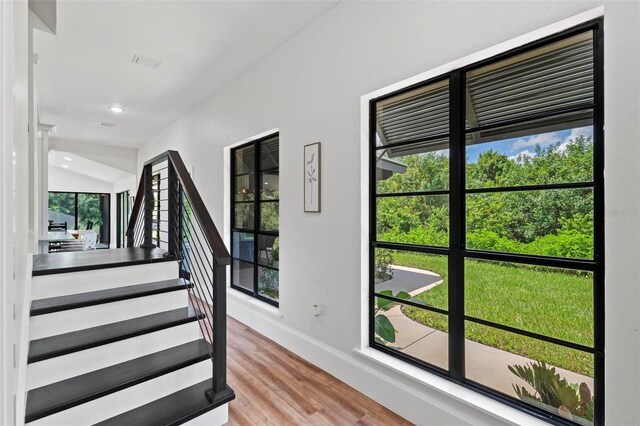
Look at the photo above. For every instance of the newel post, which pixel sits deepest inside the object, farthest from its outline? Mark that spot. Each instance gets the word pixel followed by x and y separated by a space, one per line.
pixel 148 206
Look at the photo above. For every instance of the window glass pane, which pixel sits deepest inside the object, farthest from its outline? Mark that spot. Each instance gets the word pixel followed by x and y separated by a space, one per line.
pixel 268 283
pixel 89 212
pixel 499 360
pixel 243 246
pixel 555 222
pixel 244 215
pixel 550 301
pixel 426 340
pixel 422 276
pixel 411 168
pixel 269 152
pixel 245 159
pixel 243 274
pixel 269 216
pixel 245 188
pixel 532 158
pixel 62 208
pixel 268 250
pixel 270 189
pixel 555 76
pixel 419 113
pixel 422 220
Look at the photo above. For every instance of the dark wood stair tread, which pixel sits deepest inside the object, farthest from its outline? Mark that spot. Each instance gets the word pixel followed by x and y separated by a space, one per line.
pixel 174 409
pixel 80 300
pixel 87 260
pixel 50 399
pixel 62 344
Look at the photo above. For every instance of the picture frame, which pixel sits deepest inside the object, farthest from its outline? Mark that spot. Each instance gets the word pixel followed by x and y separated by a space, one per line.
pixel 312 169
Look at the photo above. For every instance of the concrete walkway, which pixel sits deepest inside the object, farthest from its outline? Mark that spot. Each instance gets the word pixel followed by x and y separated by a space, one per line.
pixel 412 280
pixel 484 364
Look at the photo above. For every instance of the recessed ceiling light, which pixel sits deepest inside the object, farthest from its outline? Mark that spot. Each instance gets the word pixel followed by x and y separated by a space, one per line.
pixel 65 166
pixel 67 158
pixel 116 109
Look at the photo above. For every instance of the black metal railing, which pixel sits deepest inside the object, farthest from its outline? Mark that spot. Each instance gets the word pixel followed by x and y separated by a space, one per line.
pixel 169 213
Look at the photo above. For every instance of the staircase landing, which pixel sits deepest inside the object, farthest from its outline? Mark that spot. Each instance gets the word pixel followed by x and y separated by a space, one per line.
pixel 58 263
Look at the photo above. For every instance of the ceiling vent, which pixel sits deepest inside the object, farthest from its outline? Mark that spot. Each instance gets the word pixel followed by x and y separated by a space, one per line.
pixel 108 124
pixel 146 62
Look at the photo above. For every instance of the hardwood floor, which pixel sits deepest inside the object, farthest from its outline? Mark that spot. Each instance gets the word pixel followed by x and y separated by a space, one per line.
pixel 276 387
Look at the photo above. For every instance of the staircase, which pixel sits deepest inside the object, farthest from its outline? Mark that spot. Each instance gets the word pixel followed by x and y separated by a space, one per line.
pixel 134 336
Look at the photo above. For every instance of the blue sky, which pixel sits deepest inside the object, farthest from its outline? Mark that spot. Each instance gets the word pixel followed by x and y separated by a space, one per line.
pixel 527 145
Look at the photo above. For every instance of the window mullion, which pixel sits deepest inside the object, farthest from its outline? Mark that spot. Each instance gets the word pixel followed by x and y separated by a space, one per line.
pixel 457 225
pixel 256 213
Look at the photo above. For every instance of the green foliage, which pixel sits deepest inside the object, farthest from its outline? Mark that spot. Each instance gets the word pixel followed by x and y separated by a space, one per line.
pixel 268 280
pixel 552 390
pixel 521 297
pixel 269 216
pixel 62 202
pixel 88 208
pixel 383 271
pixel 385 333
pixel 551 222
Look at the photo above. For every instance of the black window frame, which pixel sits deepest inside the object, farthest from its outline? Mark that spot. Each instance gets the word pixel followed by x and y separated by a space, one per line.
pixel 105 233
pixel 457 252
pixel 123 211
pixel 256 231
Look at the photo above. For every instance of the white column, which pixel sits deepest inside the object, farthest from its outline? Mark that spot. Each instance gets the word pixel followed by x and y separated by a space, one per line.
pixel 42 154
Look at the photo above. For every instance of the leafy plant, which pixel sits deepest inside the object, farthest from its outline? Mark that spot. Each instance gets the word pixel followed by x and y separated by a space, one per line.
pixel 550 389
pixel 385 333
pixel 383 271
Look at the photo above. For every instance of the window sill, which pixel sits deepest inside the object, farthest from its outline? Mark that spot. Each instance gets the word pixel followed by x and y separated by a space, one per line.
pixel 467 396
pixel 238 296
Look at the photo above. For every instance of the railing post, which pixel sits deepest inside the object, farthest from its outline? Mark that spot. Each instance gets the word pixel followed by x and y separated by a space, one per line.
pixel 148 206
pixel 175 236
pixel 219 327
pixel 131 236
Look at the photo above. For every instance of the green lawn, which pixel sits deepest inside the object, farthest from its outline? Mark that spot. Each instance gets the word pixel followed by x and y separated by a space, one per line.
pixel 544 301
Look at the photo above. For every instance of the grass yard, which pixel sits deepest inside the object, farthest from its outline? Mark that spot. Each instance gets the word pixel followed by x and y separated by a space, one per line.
pixel 545 301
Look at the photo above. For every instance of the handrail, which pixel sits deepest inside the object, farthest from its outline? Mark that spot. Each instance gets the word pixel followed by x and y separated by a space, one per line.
pixel 220 252
pixel 169 213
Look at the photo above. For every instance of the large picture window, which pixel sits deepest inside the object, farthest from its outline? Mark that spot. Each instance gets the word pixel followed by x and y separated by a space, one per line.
pixel 255 204
pixel 486 227
pixel 82 211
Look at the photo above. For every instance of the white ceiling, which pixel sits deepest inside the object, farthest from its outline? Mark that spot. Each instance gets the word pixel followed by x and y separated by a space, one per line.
pixel 86 167
pixel 201 45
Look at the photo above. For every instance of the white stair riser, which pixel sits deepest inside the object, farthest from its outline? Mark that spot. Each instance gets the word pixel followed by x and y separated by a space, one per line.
pixel 44 286
pixel 127 399
pixel 91 316
pixel 66 366
pixel 216 417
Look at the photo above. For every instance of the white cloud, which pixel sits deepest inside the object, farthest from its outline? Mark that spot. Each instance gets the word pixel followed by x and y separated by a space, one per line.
pixel 522 154
pixel 586 132
pixel 542 139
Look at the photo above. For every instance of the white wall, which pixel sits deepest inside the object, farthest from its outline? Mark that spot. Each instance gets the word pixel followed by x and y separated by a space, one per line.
pixel 14 178
pixel 310 89
pixel 68 181
pixel 114 156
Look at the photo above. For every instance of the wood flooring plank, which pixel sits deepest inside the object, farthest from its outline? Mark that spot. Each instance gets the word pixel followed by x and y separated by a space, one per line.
pixel 274 386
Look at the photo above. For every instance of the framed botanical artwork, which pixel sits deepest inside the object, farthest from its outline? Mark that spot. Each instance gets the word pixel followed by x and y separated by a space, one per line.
pixel 312 175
